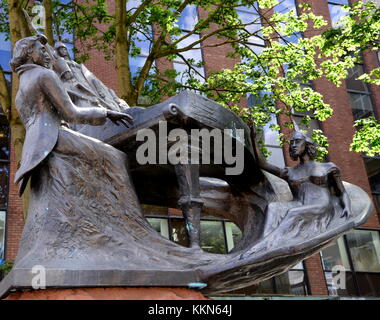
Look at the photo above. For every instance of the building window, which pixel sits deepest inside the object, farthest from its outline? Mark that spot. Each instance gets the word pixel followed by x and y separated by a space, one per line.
pixel 272 143
pixel 285 6
pixel 365 250
pixel 142 35
pixel 360 95
pixel 61 34
pixel 189 64
pixel 337 11
pixel 250 15
pixel 293 282
pixel 5 56
pixel 217 235
pixel 359 253
pixel 269 137
pixel 373 172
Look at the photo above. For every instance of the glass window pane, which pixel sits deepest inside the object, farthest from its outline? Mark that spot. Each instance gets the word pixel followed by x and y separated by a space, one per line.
pixel 373 172
pixel 183 71
pixel 291 282
pixel 341 2
pixel 5 52
pixel 352 83
pixel 4 142
pixel 285 6
pixel 4 174
pixel 298 266
pixel 188 18
pixel 294 38
pixel 160 225
pixel 313 125
pixel 136 63
pixel 254 26
pixel 179 234
pixel 256 49
pixel 337 13
pixel 252 8
pixel 233 235
pixel 349 291
pixel 361 105
pixel 271 136
pixel 335 254
pixel 365 250
pixel 143 40
pixel 277 157
pixel 212 237
pixel 194 54
pixel 2 234
pixel 133 5
pixel 369 284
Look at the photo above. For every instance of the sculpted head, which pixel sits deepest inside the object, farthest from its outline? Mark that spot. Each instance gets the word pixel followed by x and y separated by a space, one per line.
pixel 30 50
pixel 61 50
pixel 300 144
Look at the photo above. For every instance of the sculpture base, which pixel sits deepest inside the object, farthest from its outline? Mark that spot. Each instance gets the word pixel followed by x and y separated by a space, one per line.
pixel 158 293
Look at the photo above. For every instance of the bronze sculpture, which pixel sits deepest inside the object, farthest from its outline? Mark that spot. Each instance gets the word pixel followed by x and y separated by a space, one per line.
pixel 81 84
pixel 313 185
pixel 85 224
pixel 39 90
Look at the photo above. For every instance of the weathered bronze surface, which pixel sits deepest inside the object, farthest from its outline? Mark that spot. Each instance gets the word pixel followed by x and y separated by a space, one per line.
pixel 85 224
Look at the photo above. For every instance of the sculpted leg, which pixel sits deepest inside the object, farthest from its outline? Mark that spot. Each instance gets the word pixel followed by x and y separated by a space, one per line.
pixel 190 201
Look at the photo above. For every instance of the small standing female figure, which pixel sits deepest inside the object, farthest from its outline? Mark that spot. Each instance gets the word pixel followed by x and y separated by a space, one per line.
pixel 315 187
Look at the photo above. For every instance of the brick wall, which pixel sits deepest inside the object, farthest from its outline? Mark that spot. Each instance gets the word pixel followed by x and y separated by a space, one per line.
pixel 315 275
pixel 15 217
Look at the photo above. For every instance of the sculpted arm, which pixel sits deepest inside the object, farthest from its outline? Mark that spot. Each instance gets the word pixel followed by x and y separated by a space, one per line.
pixel 343 195
pixel 58 97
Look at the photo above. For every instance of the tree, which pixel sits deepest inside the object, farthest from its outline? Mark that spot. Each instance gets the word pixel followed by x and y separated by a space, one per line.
pixel 276 76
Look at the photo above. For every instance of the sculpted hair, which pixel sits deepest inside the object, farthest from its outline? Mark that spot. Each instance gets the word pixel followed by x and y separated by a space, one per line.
pixel 310 149
pixel 23 49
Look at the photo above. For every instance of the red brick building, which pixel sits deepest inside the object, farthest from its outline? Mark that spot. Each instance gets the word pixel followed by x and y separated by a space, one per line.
pixel 358 251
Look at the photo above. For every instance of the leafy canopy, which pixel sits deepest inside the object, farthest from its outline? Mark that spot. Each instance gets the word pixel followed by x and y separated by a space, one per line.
pixel 277 76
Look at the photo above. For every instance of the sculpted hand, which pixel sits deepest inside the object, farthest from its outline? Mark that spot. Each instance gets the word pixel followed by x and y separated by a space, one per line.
pixel 122 104
pixel 67 76
pixel 346 212
pixel 119 118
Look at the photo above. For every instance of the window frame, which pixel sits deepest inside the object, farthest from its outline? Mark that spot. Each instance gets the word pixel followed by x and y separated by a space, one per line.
pixel 366 93
pixel 353 271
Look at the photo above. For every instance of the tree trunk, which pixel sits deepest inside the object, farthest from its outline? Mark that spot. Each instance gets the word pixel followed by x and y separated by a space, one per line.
pixel 5 95
pixel 49 21
pixel 124 81
pixel 18 30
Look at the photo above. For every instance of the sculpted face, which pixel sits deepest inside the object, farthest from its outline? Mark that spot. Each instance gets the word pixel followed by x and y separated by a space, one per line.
pixel 62 52
pixel 297 145
pixel 40 56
